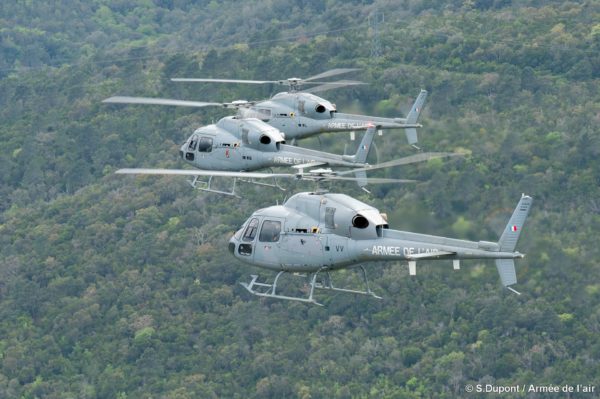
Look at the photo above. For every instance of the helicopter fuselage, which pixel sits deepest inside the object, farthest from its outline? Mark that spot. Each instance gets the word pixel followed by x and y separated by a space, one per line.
pixel 298 114
pixel 301 115
pixel 248 144
pixel 321 231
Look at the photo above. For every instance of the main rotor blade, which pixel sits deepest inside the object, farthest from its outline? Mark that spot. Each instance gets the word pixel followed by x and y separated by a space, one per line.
pixel 199 172
pixel 375 180
pixel 224 80
pixel 422 157
pixel 288 82
pixel 332 85
pixel 159 101
pixel 331 72
pixel 253 175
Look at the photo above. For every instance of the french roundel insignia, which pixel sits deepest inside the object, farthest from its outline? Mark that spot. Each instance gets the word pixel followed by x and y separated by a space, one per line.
pixel 514 228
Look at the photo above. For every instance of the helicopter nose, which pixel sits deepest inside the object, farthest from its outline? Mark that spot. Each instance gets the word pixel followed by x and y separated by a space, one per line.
pixel 232 244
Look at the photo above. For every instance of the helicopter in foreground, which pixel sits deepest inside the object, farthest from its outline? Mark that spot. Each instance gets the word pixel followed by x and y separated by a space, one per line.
pixel 298 112
pixel 316 233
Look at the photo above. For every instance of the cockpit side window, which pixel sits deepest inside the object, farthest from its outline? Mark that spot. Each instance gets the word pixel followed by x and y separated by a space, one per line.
pixel 301 106
pixel 265 112
pixel 270 231
pixel 193 143
pixel 329 217
pixel 250 232
pixel 205 144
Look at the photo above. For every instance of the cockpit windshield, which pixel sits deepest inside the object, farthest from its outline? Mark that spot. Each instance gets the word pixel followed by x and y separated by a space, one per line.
pixel 193 143
pixel 250 232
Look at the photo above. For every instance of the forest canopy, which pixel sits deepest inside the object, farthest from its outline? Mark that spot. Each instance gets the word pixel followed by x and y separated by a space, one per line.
pixel 123 287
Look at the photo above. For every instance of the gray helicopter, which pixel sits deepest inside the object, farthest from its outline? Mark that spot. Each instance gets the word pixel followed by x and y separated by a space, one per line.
pixel 298 113
pixel 248 144
pixel 316 233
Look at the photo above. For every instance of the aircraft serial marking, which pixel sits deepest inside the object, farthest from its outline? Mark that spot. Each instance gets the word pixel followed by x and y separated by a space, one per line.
pixel 347 125
pixel 400 251
pixel 291 161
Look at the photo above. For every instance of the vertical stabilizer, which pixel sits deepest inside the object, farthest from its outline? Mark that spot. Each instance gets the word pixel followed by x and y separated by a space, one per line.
pixel 361 155
pixel 361 179
pixel 506 269
pixel 413 116
pixel 512 231
pixel 508 241
pixel 411 135
pixel 365 145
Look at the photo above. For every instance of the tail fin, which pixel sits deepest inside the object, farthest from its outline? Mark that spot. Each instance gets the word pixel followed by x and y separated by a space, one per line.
pixel 508 241
pixel 361 155
pixel 512 231
pixel 506 270
pixel 365 145
pixel 413 116
pixel 361 179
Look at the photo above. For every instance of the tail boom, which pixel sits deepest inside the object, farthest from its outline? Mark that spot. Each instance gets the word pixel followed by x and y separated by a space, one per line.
pixel 402 245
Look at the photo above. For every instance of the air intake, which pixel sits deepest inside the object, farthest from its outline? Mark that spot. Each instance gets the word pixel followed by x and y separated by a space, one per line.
pixel 360 222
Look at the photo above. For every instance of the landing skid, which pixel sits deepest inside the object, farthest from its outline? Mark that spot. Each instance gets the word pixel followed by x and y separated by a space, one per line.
pixel 206 186
pixel 326 283
pixel 271 289
pixel 258 183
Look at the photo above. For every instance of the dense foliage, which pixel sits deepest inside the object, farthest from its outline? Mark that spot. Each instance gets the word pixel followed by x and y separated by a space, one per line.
pixel 114 287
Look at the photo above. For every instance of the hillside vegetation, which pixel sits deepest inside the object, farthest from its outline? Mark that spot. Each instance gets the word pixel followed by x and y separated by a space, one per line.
pixel 118 287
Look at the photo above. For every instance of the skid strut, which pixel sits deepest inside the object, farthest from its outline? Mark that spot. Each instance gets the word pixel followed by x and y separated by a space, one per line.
pixel 257 288
pixel 258 183
pixel 206 186
pixel 326 283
